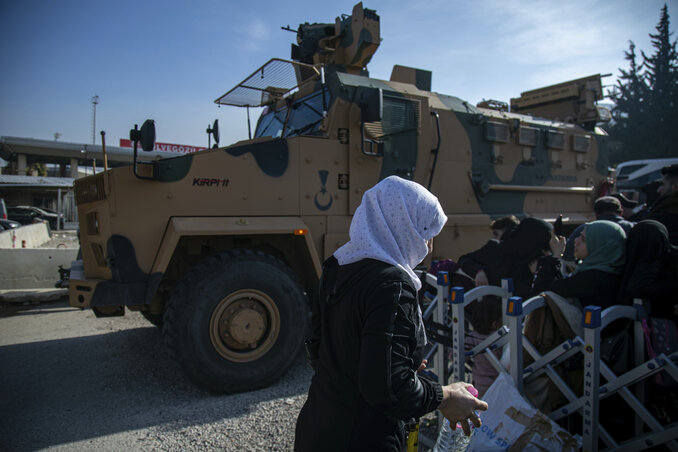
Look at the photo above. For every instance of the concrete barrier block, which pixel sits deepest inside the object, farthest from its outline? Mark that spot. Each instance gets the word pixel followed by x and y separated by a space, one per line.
pixel 27 236
pixel 35 268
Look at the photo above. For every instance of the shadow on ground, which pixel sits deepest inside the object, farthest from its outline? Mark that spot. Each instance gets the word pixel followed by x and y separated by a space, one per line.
pixel 60 391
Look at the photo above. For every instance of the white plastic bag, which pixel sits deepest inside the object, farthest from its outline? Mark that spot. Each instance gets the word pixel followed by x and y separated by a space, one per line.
pixel 511 423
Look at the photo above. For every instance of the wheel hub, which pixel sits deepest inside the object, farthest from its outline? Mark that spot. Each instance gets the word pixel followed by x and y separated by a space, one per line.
pixel 247 325
pixel 244 325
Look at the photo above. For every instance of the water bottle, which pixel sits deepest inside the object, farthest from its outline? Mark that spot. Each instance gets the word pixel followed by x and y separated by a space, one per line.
pixel 445 438
pixel 453 440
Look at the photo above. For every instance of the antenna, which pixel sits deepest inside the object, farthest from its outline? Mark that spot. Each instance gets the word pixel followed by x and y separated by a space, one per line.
pixel 95 101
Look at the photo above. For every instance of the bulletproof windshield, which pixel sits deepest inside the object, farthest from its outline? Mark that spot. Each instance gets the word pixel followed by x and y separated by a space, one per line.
pixel 302 118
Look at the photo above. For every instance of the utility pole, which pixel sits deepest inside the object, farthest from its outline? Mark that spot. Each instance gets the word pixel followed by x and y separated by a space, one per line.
pixel 95 101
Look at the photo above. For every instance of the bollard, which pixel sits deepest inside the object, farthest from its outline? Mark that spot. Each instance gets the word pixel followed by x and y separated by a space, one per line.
pixel 514 314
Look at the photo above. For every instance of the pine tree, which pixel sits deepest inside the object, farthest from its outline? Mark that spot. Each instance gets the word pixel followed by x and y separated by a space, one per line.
pixel 646 101
pixel 662 76
pixel 628 128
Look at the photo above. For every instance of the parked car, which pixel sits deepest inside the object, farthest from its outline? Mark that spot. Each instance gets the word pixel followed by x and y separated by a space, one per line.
pixel 639 179
pixel 30 214
pixel 61 216
pixel 8 224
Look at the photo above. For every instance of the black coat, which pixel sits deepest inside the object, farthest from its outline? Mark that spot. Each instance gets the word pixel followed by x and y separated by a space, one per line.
pixel 665 211
pixel 651 270
pixel 511 257
pixel 366 386
pixel 591 287
pixel 486 258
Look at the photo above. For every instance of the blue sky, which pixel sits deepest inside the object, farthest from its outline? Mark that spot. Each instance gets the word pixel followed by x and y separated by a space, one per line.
pixel 169 60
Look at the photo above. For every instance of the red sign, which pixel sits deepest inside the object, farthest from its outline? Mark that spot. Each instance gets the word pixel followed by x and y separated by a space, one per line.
pixel 165 147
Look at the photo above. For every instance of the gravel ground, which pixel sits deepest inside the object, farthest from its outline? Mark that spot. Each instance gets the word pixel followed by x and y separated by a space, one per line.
pixel 72 382
pixel 67 238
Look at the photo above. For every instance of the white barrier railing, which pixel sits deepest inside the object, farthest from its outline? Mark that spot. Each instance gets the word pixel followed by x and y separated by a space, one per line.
pixel 445 317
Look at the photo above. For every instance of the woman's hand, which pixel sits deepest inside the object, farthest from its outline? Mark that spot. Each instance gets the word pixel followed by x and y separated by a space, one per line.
pixel 422 366
pixel 557 245
pixel 481 278
pixel 459 404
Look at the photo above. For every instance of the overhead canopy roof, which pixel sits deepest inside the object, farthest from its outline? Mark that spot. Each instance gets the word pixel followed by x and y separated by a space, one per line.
pixel 7 181
pixel 50 151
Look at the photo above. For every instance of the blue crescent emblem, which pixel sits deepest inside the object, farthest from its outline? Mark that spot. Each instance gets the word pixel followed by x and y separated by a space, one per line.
pixel 323 191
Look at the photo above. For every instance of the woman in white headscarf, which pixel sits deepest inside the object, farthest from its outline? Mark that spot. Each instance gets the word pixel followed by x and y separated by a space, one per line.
pixel 368 331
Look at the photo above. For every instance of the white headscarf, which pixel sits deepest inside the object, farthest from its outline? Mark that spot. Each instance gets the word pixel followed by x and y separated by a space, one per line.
pixel 392 224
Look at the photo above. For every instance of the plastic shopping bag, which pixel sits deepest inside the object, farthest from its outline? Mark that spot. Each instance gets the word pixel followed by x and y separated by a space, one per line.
pixel 511 423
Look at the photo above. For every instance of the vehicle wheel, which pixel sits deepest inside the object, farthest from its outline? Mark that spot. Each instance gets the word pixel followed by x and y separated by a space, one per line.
pixel 236 321
pixel 155 319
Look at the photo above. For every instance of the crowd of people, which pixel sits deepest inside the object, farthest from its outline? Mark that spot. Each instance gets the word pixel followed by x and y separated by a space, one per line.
pixel 597 257
pixel 367 328
pixel 628 252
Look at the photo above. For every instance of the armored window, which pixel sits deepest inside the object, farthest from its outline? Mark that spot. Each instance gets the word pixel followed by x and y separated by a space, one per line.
pixel 555 140
pixel 304 118
pixel 399 115
pixel 271 123
pixel 496 131
pixel 581 143
pixel 527 136
pixel 306 115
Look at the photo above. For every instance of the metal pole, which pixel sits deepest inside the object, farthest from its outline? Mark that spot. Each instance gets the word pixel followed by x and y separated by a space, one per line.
pixel 95 101
pixel 59 207
pixel 103 149
pixel 249 127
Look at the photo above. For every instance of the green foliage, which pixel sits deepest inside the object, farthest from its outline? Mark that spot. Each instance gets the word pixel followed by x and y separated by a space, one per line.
pixel 646 101
pixel 37 169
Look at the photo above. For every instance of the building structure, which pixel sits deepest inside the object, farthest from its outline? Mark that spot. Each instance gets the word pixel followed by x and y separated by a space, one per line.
pixel 40 173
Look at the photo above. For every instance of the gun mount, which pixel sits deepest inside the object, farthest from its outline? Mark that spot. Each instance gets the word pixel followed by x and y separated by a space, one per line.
pixel 349 42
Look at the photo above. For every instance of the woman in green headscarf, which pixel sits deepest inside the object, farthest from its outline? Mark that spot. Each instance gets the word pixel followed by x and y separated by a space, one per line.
pixel 602 250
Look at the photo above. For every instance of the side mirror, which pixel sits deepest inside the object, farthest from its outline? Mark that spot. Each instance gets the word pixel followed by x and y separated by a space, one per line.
pixel 145 135
pixel 371 103
pixel 213 132
pixel 148 135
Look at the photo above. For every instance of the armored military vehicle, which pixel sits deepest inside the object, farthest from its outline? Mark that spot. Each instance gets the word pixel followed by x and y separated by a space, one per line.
pixel 223 247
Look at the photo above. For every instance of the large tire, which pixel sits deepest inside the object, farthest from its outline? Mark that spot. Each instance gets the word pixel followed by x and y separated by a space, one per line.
pixel 236 321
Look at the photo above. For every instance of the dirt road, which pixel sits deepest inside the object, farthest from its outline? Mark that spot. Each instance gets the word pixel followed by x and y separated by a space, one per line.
pixel 71 382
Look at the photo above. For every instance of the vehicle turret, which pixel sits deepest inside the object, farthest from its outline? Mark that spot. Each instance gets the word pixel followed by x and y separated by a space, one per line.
pixel 349 43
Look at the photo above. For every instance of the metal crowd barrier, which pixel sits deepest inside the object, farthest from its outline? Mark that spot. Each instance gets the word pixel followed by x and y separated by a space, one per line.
pixel 445 322
pixel 440 325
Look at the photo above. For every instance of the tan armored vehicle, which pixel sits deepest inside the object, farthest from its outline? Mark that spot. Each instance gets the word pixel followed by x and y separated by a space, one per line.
pixel 224 247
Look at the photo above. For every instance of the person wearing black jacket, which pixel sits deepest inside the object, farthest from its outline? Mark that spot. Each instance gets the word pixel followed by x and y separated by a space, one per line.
pixel 651 270
pixel 602 248
pixel 512 257
pixel 665 209
pixel 476 263
pixel 606 208
pixel 368 332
